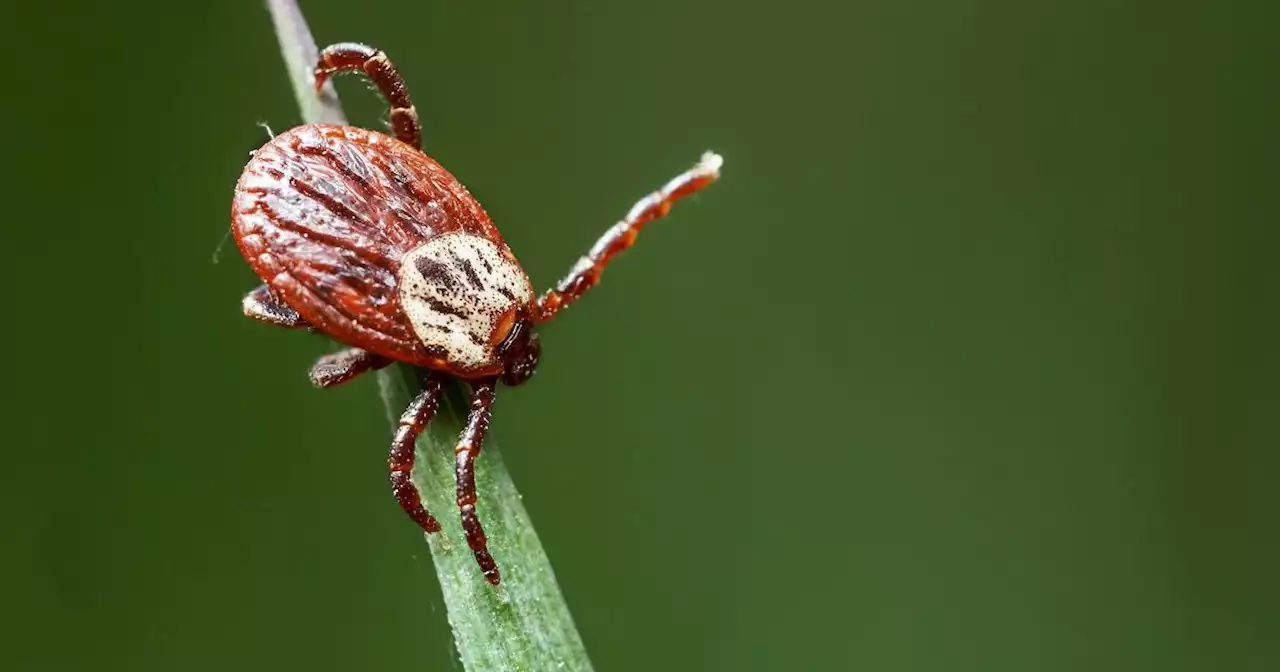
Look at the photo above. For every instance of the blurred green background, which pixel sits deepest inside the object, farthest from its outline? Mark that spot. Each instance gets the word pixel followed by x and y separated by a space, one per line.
pixel 968 363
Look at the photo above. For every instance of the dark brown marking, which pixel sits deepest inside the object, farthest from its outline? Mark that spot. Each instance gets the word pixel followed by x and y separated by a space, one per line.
pixel 441 307
pixel 338 208
pixel 469 270
pixel 434 350
pixel 346 166
pixel 488 267
pixel 410 186
pixel 435 272
pixel 369 257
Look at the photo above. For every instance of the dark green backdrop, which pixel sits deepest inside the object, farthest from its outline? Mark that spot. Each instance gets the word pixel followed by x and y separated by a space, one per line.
pixel 969 362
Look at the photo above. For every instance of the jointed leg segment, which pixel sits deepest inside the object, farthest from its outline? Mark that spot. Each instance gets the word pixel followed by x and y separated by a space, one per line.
pixel 586 273
pixel 349 56
pixel 400 460
pixel 412 422
pixel 342 366
pixel 262 305
pixel 465 454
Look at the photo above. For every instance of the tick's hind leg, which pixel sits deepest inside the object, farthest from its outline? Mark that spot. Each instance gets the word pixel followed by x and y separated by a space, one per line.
pixel 465 471
pixel 339 367
pixel 350 56
pixel 262 305
pixel 400 461
pixel 586 273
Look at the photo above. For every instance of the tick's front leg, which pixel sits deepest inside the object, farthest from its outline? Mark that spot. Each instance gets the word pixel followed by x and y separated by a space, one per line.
pixel 351 56
pixel 586 273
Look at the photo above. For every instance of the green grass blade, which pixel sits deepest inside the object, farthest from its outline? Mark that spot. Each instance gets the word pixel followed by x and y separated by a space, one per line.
pixel 300 55
pixel 524 624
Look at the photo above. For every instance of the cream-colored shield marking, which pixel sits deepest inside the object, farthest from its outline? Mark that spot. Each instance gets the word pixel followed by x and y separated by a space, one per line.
pixel 456 288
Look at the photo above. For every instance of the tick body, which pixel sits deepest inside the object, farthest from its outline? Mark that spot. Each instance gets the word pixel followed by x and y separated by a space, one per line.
pixel 362 236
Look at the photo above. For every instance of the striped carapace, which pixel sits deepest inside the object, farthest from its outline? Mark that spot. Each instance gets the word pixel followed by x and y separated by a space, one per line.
pixel 365 238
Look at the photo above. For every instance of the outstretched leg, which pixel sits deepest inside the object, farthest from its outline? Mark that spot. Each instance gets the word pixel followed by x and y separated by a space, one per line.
pixel 339 367
pixel 348 56
pixel 400 461
pixel 262 305
pixel 464 469
pixel 586 273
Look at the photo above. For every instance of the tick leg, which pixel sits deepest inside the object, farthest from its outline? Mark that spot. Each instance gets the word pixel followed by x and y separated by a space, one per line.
pixel 349 56
pixel 586 273
pixel 262 305
pixel 400 461
pixel 464 469
pixel 339 367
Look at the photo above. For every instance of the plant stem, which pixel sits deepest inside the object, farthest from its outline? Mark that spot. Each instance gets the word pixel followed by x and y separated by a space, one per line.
pixel 300 55
pixel 524 624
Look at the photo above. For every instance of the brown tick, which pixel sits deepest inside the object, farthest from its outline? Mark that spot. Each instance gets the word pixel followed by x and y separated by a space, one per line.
pixel 365 238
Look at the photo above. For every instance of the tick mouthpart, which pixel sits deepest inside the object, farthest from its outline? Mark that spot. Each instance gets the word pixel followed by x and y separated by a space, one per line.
pixel 520 353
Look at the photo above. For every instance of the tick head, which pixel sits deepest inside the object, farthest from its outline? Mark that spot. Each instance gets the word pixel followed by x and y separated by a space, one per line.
pixel 519 352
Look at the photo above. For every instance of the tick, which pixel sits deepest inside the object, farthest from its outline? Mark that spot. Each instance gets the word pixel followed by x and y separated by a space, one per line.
pixel 363 237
